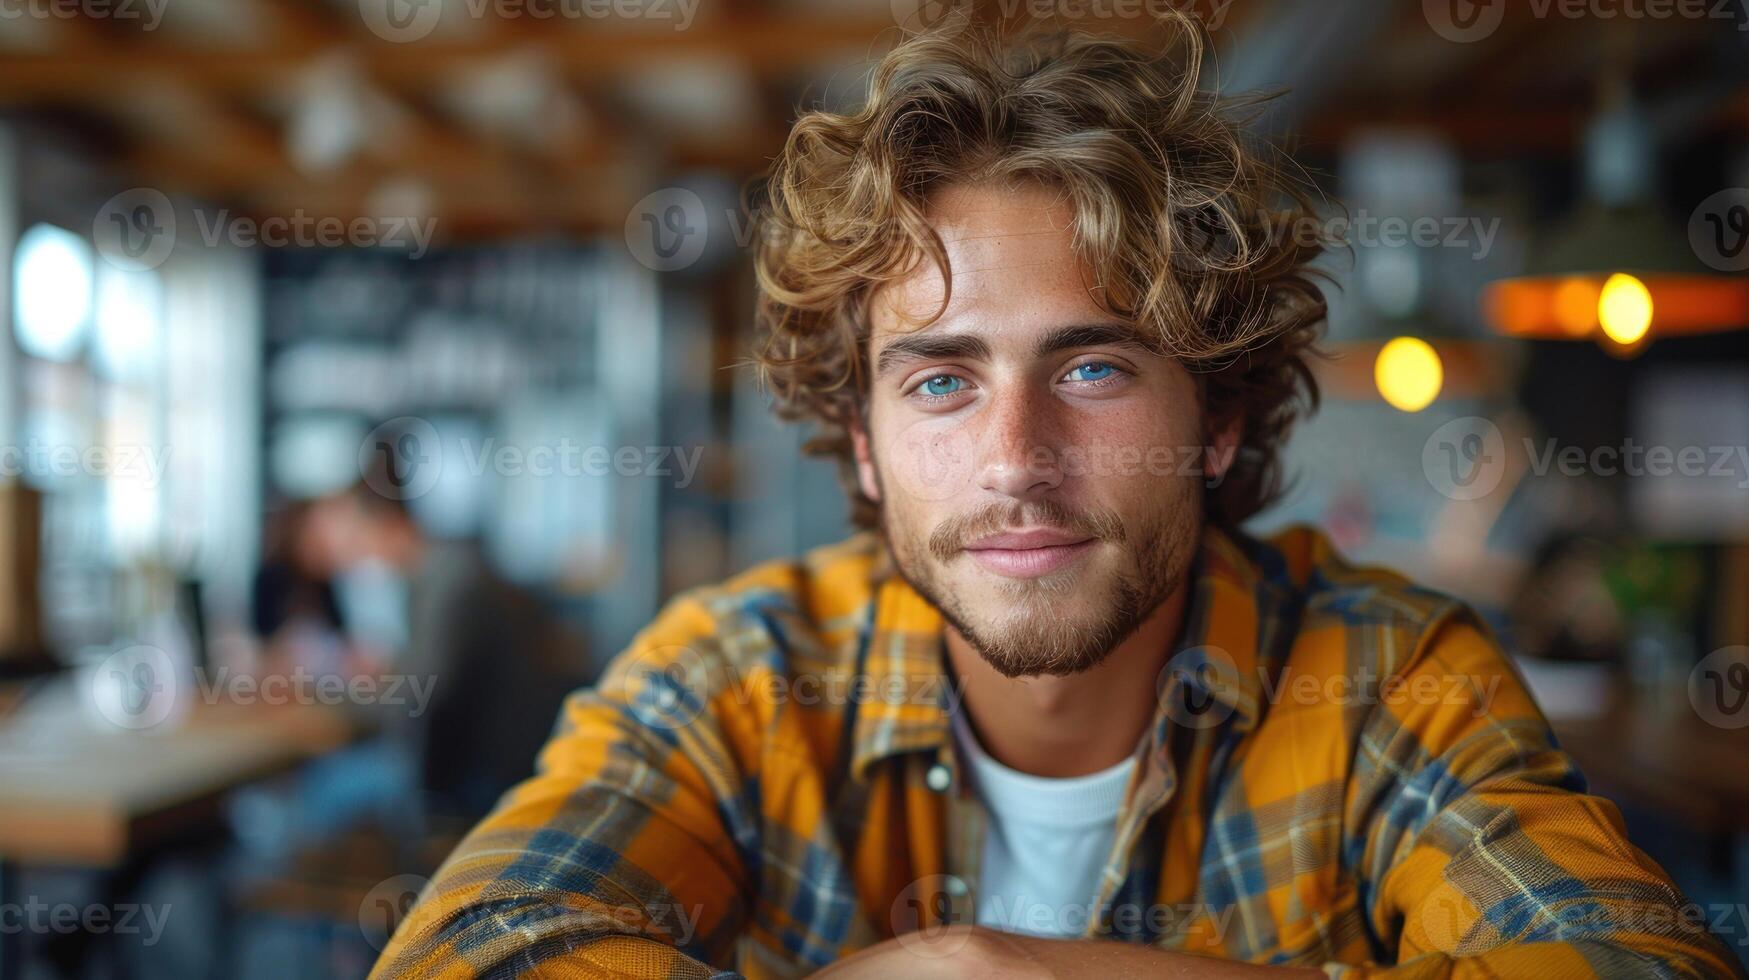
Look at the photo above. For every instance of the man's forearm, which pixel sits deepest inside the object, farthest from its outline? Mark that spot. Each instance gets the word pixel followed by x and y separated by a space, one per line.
pixel 976 952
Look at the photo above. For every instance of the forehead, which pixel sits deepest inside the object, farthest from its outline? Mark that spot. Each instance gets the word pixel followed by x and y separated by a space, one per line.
pixel 1015 272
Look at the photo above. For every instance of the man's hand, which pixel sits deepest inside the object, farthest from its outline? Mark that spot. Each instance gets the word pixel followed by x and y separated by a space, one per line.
pixel 963 952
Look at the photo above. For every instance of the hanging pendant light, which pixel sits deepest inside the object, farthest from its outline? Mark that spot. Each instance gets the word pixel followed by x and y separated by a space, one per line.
pixel 1617 272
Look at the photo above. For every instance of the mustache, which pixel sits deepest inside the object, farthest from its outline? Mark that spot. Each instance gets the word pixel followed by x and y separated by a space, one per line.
pixel 951 536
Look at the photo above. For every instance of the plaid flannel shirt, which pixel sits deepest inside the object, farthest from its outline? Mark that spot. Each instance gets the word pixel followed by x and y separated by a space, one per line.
pixel 1343 772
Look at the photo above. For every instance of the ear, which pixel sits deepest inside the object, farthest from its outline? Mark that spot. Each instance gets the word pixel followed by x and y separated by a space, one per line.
pixel 1223 448
pixel 865 471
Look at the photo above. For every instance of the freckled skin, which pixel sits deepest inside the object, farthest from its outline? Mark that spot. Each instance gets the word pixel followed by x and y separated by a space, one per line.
pixel 1090 438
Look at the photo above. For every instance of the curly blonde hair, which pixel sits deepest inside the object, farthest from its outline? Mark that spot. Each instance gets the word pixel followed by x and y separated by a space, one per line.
pixel 1177 212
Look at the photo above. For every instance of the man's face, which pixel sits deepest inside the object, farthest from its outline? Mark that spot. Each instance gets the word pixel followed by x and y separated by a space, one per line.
pixel 1037 468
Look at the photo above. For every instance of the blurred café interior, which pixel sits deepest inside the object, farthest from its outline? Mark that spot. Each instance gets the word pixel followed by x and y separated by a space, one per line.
pixel 372 371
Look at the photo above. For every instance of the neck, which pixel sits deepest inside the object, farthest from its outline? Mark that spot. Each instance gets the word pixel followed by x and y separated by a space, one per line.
pixel 1061 727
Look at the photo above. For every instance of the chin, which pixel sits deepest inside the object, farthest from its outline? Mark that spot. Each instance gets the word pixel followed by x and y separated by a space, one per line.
pixel 1053 625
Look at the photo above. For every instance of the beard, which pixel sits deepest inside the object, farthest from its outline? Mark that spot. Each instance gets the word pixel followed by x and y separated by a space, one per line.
pixel 1060 623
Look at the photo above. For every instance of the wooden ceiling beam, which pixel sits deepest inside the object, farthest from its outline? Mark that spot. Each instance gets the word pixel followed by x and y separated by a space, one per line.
pixel 765 45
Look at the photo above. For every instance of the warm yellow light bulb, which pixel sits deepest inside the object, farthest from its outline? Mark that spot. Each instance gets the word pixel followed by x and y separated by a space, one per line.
pixel 1624 309
pixel 1408 373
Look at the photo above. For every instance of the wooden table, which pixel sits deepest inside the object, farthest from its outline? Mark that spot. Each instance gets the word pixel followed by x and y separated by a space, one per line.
pixel 78 791
pixel 1660 755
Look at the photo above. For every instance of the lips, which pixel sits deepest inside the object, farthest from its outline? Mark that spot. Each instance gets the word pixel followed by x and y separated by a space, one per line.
pixel 1029 554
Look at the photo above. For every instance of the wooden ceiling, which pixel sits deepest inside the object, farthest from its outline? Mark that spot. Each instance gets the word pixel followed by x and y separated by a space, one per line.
pixel 531 116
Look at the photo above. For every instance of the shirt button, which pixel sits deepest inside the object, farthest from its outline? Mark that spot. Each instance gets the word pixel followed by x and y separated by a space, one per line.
pixel 938 778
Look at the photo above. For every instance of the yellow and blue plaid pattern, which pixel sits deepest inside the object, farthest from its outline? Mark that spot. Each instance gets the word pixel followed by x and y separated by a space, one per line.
pixel 1343 772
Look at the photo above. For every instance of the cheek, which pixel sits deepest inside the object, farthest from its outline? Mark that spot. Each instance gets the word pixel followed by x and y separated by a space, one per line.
pixel 929 459
pixel 1131 447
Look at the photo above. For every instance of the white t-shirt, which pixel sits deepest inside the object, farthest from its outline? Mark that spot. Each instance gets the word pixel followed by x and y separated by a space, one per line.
pixel 1045 843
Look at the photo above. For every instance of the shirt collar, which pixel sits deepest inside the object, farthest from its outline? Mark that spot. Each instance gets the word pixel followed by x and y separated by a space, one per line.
pixel 1235 610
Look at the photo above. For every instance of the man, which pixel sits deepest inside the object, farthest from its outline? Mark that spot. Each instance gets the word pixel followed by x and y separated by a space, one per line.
pixel 1052 713
pixel 494 661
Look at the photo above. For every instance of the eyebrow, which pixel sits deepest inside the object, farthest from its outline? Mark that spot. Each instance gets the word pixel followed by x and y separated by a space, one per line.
pixel 929 347
pixel 1090 335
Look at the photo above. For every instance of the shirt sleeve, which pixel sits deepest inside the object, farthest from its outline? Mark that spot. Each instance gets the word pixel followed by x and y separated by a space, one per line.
pixel 627 854
pixel 1480 853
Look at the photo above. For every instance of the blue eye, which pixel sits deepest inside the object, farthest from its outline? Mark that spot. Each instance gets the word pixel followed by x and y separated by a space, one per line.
pixel 1092 371
pixel 942 384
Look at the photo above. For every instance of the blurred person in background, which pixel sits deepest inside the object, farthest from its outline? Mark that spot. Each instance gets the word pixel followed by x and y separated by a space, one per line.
pixel 1035 296
pixel 495 663
pixel 294 609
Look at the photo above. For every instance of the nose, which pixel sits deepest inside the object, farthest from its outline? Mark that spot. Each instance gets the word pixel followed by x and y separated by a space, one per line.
pixel 1018 455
